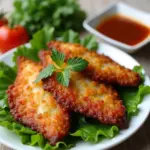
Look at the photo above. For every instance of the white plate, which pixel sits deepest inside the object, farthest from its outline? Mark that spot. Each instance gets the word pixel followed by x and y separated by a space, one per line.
pixel 13 141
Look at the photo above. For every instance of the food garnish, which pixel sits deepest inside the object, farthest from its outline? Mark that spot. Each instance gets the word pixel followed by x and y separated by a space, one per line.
pixel 61 68
pixel 101 68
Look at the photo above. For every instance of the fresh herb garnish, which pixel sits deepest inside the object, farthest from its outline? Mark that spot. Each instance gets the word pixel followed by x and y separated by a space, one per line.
pixel 48 71
pixel 58 57
pixel 64 77
pixel 76 64
pixel 61 14
pixel 61 68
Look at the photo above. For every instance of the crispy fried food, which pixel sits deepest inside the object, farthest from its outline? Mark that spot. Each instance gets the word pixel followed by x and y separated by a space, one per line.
pixel 34 107
pixel 100 68
pixel 85 96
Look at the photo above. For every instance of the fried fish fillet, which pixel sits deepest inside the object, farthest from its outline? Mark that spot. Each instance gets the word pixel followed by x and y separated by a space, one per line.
pixel 100 68
pixel 85 96
pixel 34 107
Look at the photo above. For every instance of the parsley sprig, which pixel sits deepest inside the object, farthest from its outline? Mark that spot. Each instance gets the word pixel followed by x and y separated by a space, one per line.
pixel 61 68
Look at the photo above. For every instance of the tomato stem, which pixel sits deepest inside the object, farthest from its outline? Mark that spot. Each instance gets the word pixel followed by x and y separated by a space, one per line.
pixel 2 14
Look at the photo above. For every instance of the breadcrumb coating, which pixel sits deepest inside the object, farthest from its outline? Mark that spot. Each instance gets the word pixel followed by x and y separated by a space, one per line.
pixel 85 96
pixel 100 68
pixel 32 106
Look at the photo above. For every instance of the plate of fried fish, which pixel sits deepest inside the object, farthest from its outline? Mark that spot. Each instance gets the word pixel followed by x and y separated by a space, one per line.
pixel 60 93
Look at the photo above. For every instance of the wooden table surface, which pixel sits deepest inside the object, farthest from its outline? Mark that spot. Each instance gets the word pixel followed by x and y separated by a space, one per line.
pixel 140 140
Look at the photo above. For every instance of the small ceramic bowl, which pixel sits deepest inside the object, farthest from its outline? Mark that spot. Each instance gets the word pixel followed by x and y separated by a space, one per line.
pixel 123 9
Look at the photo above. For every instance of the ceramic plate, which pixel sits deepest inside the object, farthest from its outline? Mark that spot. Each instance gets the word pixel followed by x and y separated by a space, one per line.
pixel 13 141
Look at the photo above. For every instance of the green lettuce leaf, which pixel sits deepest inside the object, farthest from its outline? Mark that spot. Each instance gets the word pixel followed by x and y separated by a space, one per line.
pixel 70 36
pixel 27 52
pixel 93 131
pixel 89 42
pixel 7 77
pixel 139 70
pixel 46 34
pixel 132 97
pixel 32 138
pixel 38 43
pixel 41 37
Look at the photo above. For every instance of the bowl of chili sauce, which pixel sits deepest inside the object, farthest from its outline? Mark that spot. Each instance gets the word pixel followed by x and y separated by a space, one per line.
pixel 122 26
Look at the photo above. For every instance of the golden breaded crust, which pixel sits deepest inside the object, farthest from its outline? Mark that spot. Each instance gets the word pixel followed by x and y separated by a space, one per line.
pixel 100 68
pixel 34 107
pixel 86 96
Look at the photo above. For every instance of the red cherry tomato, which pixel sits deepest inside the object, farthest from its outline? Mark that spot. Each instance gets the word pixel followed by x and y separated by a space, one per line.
pixel 12 37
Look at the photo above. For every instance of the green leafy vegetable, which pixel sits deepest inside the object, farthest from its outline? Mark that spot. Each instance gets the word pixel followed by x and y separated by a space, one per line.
pixel 89 42
pixel 93 131
pixel 27 52
pixel 6 70
pixel 132 97
pixel 7 76
pixel 64 77
pixel 43 36
pixel 70 36
pixel 139 70
pixel 34 14
pixel 38 42
pixel 58 57
pixel 62 73
pixel 32 138
pixel 48 71
pixel 77 64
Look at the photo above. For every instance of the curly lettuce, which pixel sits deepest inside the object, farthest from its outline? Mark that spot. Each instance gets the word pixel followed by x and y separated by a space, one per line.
pixel 92 131
pixel 131 96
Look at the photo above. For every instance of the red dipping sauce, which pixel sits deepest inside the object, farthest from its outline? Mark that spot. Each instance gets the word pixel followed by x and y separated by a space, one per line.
pixel 123 29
